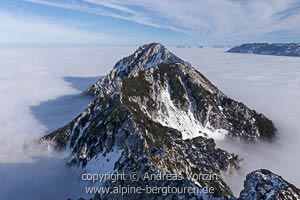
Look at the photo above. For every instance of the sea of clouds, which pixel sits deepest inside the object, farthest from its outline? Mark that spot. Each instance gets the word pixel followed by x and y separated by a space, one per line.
pixel 41 91
pixel 268 84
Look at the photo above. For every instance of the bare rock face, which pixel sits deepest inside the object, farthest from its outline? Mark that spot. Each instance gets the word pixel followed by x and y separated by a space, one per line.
pixel 174 86
pixel 156 114
pixel 265 185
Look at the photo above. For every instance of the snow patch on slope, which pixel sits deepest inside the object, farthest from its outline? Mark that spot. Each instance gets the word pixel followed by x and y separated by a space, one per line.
pixel 103 163
pixel 184 121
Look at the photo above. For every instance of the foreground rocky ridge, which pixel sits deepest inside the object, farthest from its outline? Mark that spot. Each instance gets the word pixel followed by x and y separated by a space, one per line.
pixel 265 185
pixel 262 185
pixel 284 49
pixel 154 113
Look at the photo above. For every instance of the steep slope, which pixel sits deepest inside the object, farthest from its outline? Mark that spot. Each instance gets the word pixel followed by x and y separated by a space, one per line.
pixel 113 137
pixel 202 106
pixel 154 113
pixel 264 185
pixel 178 96
pixel 284 49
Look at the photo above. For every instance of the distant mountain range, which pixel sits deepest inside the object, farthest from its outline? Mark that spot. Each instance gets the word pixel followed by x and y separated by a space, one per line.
pixel 203 46
pixel 154 113
pixel 279 49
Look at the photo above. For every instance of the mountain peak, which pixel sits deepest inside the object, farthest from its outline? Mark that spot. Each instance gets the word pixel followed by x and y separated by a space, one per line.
pixel 176 95
pixel 145 57
pixel 153 45
pixel 154 113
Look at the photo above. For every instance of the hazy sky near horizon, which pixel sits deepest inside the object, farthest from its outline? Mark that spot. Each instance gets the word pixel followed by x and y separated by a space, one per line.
pixel 124 22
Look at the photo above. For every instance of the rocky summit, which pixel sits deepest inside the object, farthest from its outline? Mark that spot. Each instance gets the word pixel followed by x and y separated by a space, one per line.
pixel 156 114
pixel 173 93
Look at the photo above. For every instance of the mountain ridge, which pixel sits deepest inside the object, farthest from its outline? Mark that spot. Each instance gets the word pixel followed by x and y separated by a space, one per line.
pixel 138 62
pixel 276 49
pixel 156 113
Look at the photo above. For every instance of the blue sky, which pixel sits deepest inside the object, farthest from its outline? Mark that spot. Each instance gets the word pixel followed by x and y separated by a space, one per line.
pixel 124 22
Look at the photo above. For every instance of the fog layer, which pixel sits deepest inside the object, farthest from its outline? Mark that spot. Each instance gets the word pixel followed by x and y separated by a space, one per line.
pixel 41 89
pixel 268 84
pixel 40 92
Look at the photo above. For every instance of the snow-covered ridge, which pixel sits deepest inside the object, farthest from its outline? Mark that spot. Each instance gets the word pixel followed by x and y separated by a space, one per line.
pixel 179 97
pixel 155 112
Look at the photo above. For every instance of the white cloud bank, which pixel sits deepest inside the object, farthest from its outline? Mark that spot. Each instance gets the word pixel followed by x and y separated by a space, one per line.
pixel 32 85
pixel 268 84
pixel 31 76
